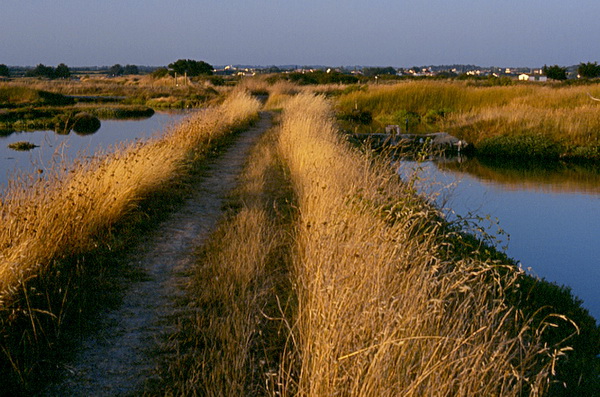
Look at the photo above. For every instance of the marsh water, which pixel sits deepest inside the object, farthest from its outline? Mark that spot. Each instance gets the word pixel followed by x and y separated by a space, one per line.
pixel 52 146
pixel 545 217
pixel 551 215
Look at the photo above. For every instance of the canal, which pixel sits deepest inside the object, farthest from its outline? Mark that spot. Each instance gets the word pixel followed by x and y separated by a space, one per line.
pixel 55 147
pixel 551 215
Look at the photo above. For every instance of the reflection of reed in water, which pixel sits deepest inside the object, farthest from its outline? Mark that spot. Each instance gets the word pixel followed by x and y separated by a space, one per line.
pixel 531 175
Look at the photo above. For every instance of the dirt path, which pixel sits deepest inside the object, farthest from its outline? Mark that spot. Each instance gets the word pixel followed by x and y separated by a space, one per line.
pixel 116 360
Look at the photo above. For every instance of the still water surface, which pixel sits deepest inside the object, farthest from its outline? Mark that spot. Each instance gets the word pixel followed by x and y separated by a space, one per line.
pixel 552 216
pixel 52 145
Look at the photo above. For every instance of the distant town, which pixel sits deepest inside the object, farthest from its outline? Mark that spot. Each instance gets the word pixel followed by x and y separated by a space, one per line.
pixel 439 71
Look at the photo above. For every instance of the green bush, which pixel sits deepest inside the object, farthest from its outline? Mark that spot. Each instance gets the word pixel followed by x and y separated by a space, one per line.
pixel 523 147
pixel 434 115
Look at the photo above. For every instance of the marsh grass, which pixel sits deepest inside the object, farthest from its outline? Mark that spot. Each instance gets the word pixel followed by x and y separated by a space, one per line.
pixel 233 341
pixel 563 115
pixel 145 90
pixel 21 146
pixel 331 276
pixel 388 301
pixel 79 209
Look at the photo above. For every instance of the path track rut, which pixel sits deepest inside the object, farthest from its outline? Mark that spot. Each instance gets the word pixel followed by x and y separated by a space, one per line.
pixel 115 360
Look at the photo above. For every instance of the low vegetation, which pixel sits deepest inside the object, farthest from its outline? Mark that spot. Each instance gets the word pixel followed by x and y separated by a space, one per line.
pixel 58 228
pixel 21 145
pixel 329 276
pixel 233 343
pixel 543 121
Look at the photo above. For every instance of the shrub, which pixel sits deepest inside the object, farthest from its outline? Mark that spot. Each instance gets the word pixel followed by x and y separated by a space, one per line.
pixel 160 73
pixel 434 115
pixel 85 123
pixel 4 71
pixel 524 147
pixel 22 146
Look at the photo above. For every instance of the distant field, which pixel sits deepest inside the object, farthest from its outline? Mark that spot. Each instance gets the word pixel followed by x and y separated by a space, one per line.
pixel 553 121
pixel 328 274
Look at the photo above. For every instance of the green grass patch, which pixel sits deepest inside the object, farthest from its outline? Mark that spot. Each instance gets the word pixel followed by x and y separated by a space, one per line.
pixel 520 147
pixel 21 146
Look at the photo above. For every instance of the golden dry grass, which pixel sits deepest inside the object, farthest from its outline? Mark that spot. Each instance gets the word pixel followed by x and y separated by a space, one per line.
pixel 385 307
pixel 137 89
pixel 65 212
pixel 231 345
pixel 564 114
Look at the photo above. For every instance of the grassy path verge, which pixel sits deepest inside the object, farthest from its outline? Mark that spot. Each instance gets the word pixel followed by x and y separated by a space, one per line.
pixel 61 234
pixel 117 360
pixel 394 301
pixel 233 341
pixel 330 276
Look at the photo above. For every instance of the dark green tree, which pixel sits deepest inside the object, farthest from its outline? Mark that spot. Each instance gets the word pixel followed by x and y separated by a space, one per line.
pixel 131 69
pixel 191 68
pixel 589 70
pixel 375 71
pixel 272 69
pixel 160 72
pixel 4 71
pixel 41 70
pixel 555 72
pixel 115 70
pixel 62 71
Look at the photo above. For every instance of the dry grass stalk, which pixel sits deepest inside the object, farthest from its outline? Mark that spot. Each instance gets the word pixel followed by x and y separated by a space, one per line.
pixel 231 345
pixel 384 309
pixel 65 212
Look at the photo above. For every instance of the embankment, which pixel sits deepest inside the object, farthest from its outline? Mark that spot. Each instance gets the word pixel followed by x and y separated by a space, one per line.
pixel 331 276
pixel 394 301
pixel 62 231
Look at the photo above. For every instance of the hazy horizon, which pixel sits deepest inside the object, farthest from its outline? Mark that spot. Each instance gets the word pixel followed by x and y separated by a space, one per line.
pixel 271 32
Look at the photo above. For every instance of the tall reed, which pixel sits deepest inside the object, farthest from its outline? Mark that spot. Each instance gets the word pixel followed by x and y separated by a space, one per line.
pixel 386 306
pixel 61 213
pixel 565 115
pixel 232 342
pixel 72 209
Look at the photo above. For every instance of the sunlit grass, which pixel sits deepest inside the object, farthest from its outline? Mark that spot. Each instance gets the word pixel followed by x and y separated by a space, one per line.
pixel 232 342
pixel 386 307
pixel 72 208
pixel 563 115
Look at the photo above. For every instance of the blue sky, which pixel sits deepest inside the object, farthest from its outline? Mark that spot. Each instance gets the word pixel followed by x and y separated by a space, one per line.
pixel 276 32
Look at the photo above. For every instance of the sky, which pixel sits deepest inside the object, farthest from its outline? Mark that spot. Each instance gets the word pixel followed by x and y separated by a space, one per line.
pixel 505 33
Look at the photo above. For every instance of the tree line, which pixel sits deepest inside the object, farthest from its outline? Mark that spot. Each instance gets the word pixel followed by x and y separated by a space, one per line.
pixel 188 67
pixel 192 68
pixel 586 70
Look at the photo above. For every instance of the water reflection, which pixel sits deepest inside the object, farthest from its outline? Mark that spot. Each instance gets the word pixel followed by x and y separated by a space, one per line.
pixel 86 124
pixel 552 214
pixel 65 147
pixel 548 177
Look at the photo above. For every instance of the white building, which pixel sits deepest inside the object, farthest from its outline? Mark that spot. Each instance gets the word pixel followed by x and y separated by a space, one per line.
pixel 532 77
